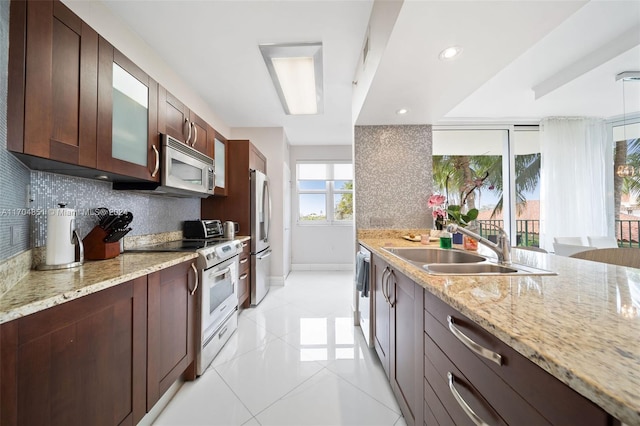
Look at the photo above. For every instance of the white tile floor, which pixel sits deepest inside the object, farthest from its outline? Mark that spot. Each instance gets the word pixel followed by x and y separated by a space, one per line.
pixel 296 359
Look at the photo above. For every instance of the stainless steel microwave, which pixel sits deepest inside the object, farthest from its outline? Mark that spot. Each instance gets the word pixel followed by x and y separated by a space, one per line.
pixel 184 172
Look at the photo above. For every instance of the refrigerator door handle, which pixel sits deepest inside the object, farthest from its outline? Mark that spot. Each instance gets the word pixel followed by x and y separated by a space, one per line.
pixel 266 199
pixel 264 255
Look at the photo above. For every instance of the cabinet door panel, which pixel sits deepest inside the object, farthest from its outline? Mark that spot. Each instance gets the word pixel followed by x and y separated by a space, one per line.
pixel 200 135
pixel 403 354
pixel 78 363
pixel 60 97
pixel 173 118
pixel 113 158
pixel 171 329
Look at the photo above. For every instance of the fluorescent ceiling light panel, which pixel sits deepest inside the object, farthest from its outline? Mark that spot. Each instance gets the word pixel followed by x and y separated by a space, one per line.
pixel 296 72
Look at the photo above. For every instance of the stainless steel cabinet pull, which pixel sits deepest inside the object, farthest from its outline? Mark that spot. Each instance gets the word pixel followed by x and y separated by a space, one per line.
pixel 463 404
pixel 480 350
pixel 195 271
pixel 384 282
pixel 244 245
pixel 157 167
pixel 188 124
pixel 222 308
pixel 392 304
pixel 224 330
pixel 244 260
pixel 195 134
pixel 243 276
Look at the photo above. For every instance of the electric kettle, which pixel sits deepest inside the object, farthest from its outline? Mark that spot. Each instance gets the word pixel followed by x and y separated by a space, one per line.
pixel 230 229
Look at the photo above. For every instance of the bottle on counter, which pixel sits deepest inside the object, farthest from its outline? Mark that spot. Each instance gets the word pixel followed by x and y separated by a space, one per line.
pixel 470 243
pixel 445 240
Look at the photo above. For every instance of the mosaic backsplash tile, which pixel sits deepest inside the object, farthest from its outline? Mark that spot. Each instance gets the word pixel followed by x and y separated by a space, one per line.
pixel 393 176
pixel 151 214
pixel 14 176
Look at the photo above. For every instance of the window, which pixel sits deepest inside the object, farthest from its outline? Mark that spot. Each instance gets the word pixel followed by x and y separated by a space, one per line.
pixel 325 193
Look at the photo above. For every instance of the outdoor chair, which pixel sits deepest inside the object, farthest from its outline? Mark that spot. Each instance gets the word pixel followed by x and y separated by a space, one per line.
pixel 626 256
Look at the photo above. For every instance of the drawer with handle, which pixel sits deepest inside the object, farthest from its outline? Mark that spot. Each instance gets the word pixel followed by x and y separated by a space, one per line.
pixel 475 351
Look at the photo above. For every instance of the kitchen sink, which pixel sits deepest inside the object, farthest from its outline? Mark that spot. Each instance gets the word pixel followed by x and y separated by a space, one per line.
pixel 424 255
pixel 483 269
pixel 438 261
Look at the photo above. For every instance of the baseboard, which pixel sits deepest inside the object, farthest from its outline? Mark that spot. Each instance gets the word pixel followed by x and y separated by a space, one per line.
pixel 322 267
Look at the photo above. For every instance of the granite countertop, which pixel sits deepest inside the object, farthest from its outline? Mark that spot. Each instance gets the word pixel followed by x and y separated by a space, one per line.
pixel 39 290
pixel 581 325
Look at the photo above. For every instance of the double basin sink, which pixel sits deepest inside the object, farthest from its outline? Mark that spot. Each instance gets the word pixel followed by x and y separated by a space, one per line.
pixel 456 262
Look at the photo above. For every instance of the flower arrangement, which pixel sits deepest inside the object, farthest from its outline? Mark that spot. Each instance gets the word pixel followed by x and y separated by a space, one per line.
pixel 443 213
pixel 437 203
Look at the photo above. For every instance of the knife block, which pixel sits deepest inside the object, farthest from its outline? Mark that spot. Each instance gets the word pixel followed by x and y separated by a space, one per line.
pixel 96 249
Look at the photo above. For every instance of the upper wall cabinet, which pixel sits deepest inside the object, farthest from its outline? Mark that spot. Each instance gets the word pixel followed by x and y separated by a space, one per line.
pixel 220 157
pixel 53 80
pixel 76 105
pixel 178 121
pixel 128 138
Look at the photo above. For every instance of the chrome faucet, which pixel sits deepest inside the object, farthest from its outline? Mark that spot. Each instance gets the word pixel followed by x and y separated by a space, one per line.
pixel 502 248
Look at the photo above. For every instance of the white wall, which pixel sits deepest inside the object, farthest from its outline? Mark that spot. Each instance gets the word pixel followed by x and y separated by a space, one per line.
pixel 319 246
pixel 273 144
pixel 116 32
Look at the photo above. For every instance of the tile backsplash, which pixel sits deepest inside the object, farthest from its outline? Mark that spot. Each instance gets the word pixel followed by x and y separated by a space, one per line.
pixel 393 176
pixel 151 214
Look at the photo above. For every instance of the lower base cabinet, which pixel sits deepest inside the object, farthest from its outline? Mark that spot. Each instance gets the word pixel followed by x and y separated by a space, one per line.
pixel 398 332
pixel 505 390
pixel 79 363
pixel 437 379
pixel 102 359
pixel 170 343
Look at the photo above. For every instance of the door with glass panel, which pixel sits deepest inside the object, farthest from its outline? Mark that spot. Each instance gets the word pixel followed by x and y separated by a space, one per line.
pixel 128 139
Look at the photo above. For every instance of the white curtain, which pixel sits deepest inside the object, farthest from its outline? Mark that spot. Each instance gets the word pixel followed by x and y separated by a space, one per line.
pixel 576 195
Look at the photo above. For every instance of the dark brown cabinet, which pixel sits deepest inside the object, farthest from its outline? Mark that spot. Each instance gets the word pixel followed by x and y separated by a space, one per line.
pixel 178 121
pixel 236 205
pixel 221 159
pixel 398 313
pixel 508 389
pixel 128 138
pixel 243 275
pixel 66 113
pixel 172 316
pixel 79 363
pixel 53 80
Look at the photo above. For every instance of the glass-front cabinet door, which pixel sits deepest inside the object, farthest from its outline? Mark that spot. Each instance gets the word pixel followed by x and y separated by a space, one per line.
pixel 128 139
pixel 220 158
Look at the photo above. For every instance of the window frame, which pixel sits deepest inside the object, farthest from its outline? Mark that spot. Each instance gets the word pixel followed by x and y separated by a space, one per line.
pixel 329 192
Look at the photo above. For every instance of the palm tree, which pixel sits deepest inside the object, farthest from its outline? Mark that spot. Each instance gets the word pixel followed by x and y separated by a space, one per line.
pixel 455 175
pixel 626 152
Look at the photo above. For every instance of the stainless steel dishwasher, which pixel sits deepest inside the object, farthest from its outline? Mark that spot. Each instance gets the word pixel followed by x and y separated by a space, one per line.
pixel 362 295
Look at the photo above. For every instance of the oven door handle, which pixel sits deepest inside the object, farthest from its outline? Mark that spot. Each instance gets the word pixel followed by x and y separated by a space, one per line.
pixel 217 274
pixel 195 272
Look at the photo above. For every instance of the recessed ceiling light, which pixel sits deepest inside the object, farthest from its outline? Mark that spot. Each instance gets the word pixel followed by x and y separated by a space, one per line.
pixel 296 72
pixel 402 111
pixel 450 53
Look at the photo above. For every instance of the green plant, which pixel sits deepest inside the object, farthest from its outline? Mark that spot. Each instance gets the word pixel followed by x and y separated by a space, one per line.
pixel 457 216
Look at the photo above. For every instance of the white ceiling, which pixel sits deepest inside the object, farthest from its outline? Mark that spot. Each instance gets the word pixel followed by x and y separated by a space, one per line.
pixel 573 49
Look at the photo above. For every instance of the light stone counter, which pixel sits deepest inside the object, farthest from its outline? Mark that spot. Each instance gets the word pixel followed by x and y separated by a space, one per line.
pixel 39 290
pixel 579 325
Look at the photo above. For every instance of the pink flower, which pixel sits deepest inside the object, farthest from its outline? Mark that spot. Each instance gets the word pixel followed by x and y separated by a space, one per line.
pixel 438 214
pixel 436 200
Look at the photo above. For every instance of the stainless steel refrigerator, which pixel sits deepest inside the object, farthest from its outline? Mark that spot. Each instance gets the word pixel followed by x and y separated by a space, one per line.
pixel 260 244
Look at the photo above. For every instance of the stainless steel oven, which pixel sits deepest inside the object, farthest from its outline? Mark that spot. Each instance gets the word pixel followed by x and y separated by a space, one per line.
pixel 218 299
pixel 217 292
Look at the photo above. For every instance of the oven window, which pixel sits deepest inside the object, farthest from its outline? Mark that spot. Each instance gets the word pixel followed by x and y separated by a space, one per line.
pixel 186 172
pixel 220 290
